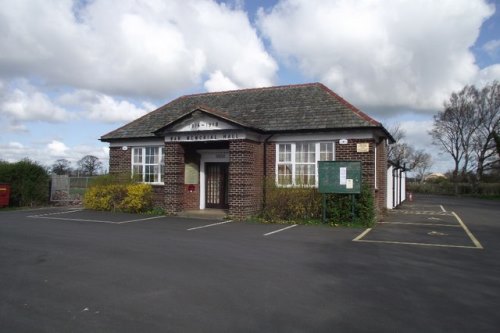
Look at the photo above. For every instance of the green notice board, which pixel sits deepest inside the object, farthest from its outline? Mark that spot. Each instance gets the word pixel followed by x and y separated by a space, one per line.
pixel 339 177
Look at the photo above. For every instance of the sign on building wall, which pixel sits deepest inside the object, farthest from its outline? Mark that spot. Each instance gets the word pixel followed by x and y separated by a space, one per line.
pixel 339 177
pixel 191 174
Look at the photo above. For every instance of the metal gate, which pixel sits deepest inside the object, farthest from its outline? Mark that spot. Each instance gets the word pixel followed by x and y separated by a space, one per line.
pixel 216 185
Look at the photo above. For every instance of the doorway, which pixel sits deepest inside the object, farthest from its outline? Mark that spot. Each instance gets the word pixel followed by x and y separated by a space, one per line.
pixel 216 185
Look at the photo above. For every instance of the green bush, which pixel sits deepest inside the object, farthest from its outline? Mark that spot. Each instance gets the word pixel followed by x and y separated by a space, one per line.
pixel 291 204
pixel 29 182
pixel 304 205
pixel 132 198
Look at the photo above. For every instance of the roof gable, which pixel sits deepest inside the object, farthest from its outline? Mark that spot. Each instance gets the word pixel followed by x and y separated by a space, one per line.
pixel 201 119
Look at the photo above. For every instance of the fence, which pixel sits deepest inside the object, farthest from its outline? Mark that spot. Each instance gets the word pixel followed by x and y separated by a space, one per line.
pixel 66 189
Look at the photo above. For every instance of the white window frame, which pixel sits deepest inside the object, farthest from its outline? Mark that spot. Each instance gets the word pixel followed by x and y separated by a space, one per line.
pixel 294 163
pixel 143 163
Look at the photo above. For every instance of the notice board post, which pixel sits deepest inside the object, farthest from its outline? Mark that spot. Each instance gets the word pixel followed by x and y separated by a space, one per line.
pixel 339 177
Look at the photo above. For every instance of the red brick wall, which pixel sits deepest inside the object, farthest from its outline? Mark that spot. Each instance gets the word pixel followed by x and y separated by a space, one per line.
pixel 174 177
pixel 348 152
pixel 119 160
pixel 158 196
pixel 192 198
pixel 270 161
pixel 246 173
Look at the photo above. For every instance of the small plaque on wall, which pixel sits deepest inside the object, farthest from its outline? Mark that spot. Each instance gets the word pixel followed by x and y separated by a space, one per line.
pixel 191 173
pixel 363 147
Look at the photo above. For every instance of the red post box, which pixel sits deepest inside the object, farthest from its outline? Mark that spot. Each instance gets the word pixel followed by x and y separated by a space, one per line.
pixel 4 195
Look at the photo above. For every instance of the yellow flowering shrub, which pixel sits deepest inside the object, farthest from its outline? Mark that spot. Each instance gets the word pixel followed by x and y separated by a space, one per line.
pixel 133 198
pixel 138 199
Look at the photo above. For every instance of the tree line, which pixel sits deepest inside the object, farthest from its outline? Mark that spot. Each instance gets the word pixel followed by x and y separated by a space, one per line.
pixel 468 130
pixel 405 156
pixel 88 165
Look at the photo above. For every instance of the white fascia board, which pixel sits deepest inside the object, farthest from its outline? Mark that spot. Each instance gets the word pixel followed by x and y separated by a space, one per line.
pixel 138 143
pixel 323 136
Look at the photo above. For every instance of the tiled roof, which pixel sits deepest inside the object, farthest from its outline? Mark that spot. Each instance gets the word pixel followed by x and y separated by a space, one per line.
pixel 275 109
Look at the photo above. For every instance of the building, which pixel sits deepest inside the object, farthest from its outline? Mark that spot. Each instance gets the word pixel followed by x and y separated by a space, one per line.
pixel 396 185
pixel 214 150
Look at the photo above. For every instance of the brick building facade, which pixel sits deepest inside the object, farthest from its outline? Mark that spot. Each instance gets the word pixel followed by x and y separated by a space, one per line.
pixel 216 150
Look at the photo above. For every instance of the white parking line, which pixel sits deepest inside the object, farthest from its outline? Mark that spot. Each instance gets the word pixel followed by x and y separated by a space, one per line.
pixel 363 234
pixel 467 231
pixel 67 219
pixel 57 213
pixel 424 224
pixel 279 230
pixel 418 244
pixel 209 225
pixel 50 217
pixel 442 208
pixel 144 219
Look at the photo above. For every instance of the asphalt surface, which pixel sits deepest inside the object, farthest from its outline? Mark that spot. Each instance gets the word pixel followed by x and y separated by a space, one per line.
pixel 65 270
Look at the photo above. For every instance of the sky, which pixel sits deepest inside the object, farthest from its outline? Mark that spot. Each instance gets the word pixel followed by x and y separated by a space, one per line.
pixel 72 71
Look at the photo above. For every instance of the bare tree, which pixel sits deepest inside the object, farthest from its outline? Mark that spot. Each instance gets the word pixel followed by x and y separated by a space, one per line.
pixel 422 163
pixel 496 136
pixel 61 167
pixel 400 153
pixel 488 117
pixel 455 127
pixel 90 165
pixel 394 151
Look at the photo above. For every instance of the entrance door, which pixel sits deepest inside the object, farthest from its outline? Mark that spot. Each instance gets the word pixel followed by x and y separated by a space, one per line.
pixel 216 185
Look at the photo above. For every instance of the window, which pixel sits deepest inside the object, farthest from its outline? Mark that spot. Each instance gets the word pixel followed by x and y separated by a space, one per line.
pixel 147 164
pixel 285 164
pixel 305 164
pixel 296 163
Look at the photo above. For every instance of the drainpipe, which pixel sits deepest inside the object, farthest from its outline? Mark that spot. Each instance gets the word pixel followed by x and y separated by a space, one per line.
pixel 265 171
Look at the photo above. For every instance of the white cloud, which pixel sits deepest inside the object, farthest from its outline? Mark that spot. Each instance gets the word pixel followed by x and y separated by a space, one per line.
pixel 26 103
pixel 150 48
pixel 57 149
pixel 492 47
pixel 219 82
pixel 103 108
pixel 382 52
pixel 487 75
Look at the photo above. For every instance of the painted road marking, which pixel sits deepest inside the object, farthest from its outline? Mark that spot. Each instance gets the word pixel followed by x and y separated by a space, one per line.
pixel 420 212
pixel 418 244
pixel 467 231
pixel 144 219
pixel 67 219
pixel 279 230
pixel 424 224
pixel 363 234
pixel 477 244
pixel 442 208
pixel 210 225
pixel 57 213
pixel 50 217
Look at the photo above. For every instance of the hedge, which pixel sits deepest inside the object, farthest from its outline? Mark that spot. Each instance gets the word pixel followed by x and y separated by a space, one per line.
pixel 29 182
